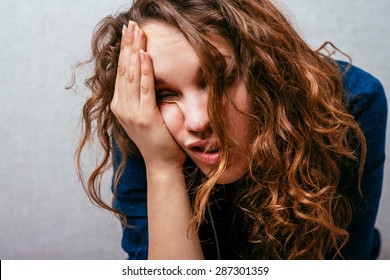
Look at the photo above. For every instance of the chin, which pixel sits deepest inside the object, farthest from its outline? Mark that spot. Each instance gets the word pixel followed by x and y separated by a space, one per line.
pixel 230 176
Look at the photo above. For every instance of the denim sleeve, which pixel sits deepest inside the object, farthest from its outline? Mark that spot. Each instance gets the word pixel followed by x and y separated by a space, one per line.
pixel 131 200
pixel 367 102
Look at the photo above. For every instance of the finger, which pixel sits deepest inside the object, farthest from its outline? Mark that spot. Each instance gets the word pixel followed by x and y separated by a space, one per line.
pixel 142 40
pixel 114 101
pixel 133 74
pixel 148 94
pixel 123 61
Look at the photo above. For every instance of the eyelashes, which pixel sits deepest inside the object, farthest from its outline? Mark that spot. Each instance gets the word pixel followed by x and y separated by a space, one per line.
pixel 166 96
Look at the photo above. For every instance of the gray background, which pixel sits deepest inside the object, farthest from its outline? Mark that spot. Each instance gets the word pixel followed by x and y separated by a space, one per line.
pixel 44 212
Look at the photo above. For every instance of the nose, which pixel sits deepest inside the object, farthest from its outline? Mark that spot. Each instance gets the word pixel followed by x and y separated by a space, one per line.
pixel 196 118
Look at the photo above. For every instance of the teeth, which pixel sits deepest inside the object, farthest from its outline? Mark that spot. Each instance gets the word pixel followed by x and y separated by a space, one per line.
pixel 211 150
pixel 206 149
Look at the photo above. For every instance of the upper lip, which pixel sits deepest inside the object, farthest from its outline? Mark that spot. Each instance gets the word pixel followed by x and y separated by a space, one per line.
pixel 204 145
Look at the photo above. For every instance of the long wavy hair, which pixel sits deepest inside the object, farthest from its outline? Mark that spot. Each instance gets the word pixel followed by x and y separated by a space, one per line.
pixel 291 198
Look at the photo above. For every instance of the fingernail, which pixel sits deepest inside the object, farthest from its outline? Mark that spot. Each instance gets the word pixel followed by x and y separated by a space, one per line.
pixel 142 55
pixel 123 30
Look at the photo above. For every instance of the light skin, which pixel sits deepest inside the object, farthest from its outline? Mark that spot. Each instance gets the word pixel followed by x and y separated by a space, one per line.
pixel 172 126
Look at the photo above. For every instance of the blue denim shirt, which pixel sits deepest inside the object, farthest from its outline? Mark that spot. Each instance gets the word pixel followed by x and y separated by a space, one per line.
pixel 366 102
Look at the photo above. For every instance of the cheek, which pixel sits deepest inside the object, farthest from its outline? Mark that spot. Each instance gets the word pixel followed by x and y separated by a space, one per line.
pixel 238 121
pixel 173 119
pixel 241 130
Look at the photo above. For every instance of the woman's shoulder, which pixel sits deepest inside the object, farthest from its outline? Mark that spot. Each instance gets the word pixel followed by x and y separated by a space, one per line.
pixel 366 101
pixel 364 93
pixel 361 86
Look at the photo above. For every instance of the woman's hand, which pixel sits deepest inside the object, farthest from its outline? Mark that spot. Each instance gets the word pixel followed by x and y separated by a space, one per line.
pixel 134 103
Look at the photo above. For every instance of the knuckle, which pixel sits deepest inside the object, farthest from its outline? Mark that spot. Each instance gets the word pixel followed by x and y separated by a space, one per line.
pixel 144 89
pixel 121 70
pixel 130 77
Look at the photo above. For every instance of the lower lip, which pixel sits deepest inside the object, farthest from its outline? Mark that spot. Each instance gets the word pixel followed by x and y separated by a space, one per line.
pixel 208 158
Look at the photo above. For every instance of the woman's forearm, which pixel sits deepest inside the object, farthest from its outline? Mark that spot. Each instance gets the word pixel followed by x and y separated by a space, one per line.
pixel 169 215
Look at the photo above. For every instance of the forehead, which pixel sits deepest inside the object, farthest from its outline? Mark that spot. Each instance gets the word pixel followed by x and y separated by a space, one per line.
pixel 163 35
pixel 167 45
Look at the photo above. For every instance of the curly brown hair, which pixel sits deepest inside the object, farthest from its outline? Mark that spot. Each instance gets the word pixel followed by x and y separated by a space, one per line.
pixel 292 201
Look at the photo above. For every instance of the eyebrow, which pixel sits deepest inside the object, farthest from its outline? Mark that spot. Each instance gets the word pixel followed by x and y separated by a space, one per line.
pixel 159 81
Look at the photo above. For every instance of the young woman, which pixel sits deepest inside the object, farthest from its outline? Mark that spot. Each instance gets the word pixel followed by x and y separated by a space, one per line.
pixel 230 138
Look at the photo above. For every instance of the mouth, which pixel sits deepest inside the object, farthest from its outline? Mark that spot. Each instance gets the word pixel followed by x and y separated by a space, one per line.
pixel 206 152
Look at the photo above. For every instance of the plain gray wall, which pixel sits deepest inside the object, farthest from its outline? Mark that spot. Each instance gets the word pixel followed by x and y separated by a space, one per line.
pixel 44 212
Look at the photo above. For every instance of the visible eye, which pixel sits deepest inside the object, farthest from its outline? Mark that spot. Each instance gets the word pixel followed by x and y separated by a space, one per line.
pixel 166 96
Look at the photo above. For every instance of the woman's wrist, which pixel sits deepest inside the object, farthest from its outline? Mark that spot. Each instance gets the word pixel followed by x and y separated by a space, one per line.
pixel 164 170
pixel 165 183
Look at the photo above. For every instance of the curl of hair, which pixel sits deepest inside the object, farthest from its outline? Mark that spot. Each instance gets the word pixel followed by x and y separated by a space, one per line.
pixel 304 136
